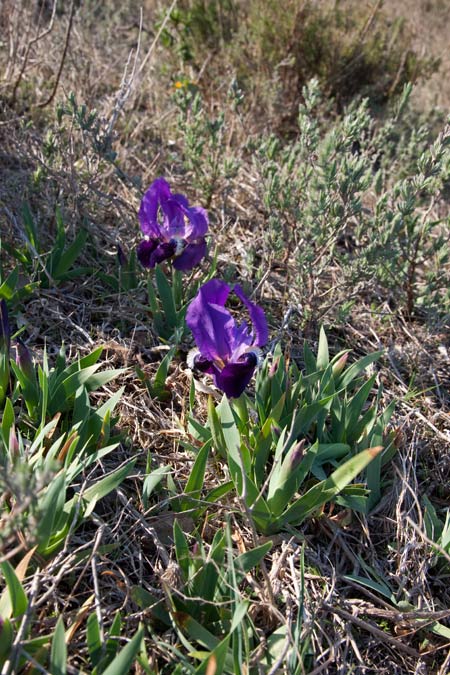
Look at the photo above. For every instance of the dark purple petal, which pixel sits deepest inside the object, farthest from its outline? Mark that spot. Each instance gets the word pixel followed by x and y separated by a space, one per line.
pixel 204 365
pixel 257 316
pixel 211 324
pixel 5 331
pixel 154 197
pixel 14 448
pixel 145 251
pixel 24 360
pixel 121 257
pixel 198 219
pixel 191 256
pixel 297 455
pixel 235 376
pixel 162 252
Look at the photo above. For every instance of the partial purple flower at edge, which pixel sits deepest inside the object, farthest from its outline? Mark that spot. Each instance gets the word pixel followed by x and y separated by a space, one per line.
pixel 5 331
pixel 24 360
pixel 226 350
pixel 171 228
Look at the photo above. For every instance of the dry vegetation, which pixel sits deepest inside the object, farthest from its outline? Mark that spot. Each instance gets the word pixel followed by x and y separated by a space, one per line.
pixel 132 66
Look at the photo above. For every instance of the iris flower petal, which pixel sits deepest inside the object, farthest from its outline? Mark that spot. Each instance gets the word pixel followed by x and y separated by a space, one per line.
pixel 151 252
pixel 235 376
pixel 191 256
pixel 203 365
pixel 226 351
pixel 198 222
pixel 163 251
pixel 157 193
pixel 145 251
pixel 181 199
pixel 174 220
pixel 165 217
pixel 210 323
pixel 257 316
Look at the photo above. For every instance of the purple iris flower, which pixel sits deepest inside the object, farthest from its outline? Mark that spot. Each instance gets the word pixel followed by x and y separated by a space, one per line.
pixel 5 331
pixel 171 228
pixel 226 350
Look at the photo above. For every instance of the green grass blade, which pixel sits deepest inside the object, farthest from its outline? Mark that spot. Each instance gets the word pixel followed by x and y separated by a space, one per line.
pixel 69 256
pixel 324 491
pixel 124 659
pixel 50 509
pixel 166 296
pixel 93 639
pixel 13 602
pixel 196 478
pixel 8 287
pixel 356 368
pixel 58 653
pixel 92 495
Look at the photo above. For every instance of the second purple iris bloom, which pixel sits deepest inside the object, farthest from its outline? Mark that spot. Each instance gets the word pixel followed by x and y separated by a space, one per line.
pixel 172 229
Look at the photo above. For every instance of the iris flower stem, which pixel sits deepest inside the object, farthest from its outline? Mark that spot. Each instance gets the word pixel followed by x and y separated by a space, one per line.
pixel 240 407
pixel 177 287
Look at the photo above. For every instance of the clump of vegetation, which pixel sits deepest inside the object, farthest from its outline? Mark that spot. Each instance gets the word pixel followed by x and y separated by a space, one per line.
pixel 334 200
pixel 354 50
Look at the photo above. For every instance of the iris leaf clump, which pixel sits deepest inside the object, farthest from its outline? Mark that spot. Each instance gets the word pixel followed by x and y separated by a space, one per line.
pixel 303 439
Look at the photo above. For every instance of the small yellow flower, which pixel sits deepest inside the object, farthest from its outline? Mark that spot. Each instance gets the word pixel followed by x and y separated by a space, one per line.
pixel 178 85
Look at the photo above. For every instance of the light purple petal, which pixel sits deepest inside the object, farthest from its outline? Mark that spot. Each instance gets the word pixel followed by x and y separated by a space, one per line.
pixel 198 222
pixel 257 316
pixel 191 256
pixel 235 376
pixel 211 324
pixel 154 197
pixel 215 291
pixel 242 340
pixel 175 224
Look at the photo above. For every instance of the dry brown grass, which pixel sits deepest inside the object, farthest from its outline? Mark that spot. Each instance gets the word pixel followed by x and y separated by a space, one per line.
pixel 427 22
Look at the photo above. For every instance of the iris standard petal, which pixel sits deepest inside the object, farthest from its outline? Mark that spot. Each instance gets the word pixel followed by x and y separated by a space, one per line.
pixel 242 340
pixel 235 376
pixel 154 197
pixel 181 199
pixel 215 291
pixel 198 222
pixel 257 316
pixel 175 223
pixel 191 256
pixel 210 323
